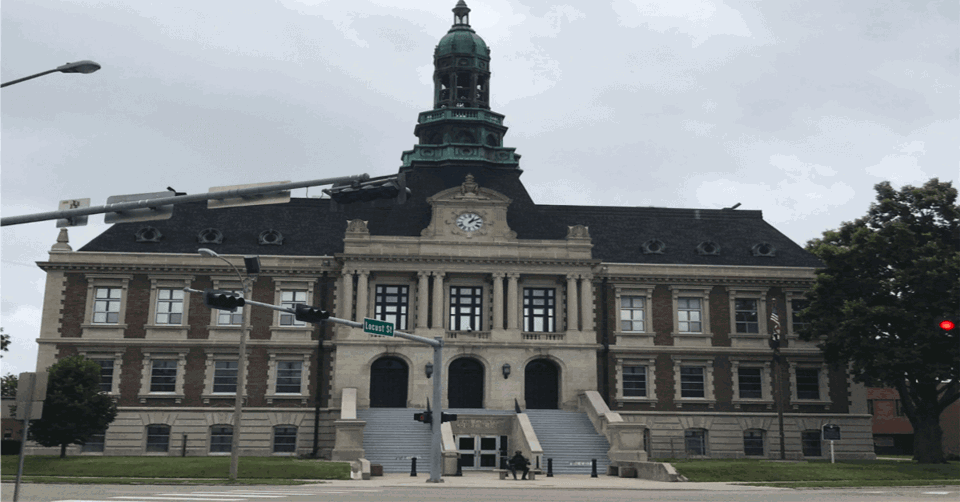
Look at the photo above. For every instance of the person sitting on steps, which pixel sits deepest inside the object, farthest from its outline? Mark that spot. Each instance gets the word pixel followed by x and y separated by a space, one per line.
pixel 519 462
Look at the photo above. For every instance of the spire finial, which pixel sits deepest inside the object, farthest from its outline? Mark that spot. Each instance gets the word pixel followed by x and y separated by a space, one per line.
pixel 62 242
pixel 461 14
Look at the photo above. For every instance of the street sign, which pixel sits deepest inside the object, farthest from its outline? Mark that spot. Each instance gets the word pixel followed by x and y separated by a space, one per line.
pixel 375 327
pixel 37 382
pixel 76 221
pixel 139 214
pixel 831 432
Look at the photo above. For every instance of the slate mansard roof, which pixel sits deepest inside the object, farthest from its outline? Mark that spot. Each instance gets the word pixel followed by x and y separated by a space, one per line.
pixel 313 227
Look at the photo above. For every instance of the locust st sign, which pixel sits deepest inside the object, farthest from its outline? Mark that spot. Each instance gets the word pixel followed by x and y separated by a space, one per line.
pixel 375 327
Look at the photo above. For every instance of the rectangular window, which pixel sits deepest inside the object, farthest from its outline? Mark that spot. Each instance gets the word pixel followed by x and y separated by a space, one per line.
pixel 221 438
pixel 391 304
pixel 170 306
pixel 746 316
pixel 163 377
pixel 466 307
pixel 106 374
pixel 95 443
pixel 808 383
pixel 539 310
pixel 870 406
pixel 631 314
pixel 691 381
pixel 753 443
pixel 106 305
pixel 288 377
pixel 635 381
pixel 225 377
pixel 750 381
pixel 287 300
pixel 284 439
pixel 695 441
pixel 226 318
pixel 811 443
pixel 689 318
pixel 796 307
pixel 158 438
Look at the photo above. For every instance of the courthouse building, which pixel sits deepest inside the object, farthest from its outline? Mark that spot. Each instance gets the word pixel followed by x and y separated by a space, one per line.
pixel 664 314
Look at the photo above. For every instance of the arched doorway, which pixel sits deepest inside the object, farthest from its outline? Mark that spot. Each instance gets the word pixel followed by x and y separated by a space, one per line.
pixel 388 383
pixel 542 385
pixel 465 384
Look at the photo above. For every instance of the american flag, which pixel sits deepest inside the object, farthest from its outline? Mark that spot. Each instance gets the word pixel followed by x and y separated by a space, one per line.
pixel 776 320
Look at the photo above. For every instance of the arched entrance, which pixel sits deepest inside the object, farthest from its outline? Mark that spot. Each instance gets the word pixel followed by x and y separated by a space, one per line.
pixel 465 384
pixel 541 385
pixel 388 383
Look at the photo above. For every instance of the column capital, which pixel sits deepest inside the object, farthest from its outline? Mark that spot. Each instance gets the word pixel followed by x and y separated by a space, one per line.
pixel 513 275
pixel 348 271
pixel 438 274
pixel 573 277
pixel 499 275
pixel 586 277
pixel 363 273
pixel 424 273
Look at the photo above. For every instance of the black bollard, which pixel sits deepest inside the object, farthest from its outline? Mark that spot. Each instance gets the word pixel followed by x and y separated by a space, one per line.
pixel 413 467
pixel 593 471
pixel 549 467
pixel 459 466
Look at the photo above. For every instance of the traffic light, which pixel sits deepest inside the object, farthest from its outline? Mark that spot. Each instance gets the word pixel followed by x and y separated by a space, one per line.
pixel 222 300
pixel 366 191
pixel 947 325
pixel 424 416
pixel 448 417
pixel 307 313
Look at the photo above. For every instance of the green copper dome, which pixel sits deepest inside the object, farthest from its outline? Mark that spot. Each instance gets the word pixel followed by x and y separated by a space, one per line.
pixel 462 39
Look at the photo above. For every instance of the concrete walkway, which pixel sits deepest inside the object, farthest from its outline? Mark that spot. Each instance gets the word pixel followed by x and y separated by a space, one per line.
pixel 572 482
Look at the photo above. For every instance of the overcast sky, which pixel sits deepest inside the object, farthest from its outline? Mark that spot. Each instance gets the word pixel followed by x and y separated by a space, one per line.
pixel 793 107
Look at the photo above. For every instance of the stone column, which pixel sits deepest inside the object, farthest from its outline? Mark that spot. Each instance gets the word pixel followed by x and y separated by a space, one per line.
pixel 586 301
pixel 362 293
pixel 437 300
pixel 345 299
pixel 498 300
pixel 423 299
pixel 572 320
pixel 512 322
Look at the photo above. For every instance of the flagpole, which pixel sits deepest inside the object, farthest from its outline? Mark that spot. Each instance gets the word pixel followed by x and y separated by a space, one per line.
pixel 775 340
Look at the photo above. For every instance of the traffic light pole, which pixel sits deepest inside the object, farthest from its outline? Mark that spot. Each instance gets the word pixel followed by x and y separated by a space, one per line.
pixel 436 459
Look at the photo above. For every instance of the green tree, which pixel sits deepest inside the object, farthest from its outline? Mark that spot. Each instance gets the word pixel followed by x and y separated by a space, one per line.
pixel 74 408
pixel 9 385
pixel 890 278
pixel 4 342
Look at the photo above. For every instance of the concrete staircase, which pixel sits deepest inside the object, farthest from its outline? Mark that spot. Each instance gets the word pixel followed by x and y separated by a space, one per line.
pixel 391 437
pixel 568 437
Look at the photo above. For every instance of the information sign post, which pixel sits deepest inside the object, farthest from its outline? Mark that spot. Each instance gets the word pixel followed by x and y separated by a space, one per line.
pixel 831 432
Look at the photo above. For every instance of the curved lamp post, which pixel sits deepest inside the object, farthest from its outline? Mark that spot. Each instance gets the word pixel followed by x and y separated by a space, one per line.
pixel 85 66
pixel 252 264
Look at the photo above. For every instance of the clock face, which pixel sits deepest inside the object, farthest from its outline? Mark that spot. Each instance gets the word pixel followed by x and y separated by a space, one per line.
pixel 469 222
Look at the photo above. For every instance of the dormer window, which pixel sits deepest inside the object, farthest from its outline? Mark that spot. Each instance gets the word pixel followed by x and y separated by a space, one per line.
pixel 764 249
pixel 653 246
pixel 148 234
pixel 210 236
pixel 708 248
pixel 271 238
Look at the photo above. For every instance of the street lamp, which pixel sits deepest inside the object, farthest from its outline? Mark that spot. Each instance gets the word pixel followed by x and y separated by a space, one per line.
pixel 252 265
pixel 776 339
pixel 85 66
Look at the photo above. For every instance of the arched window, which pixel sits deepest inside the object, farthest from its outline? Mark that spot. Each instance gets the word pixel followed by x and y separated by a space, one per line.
pixel 221 438
pixel 158 438
pixel 271 238
pixel 148 234
pixel 695 442
pixel 210 236
pixel 753 442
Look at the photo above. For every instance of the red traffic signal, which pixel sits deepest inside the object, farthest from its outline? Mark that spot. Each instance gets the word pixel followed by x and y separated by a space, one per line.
pixel 947 325
pixel 425 417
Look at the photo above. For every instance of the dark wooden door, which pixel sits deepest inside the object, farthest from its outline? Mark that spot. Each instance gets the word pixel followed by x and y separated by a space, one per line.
pixel 388 383
pixel 465 384
pixel 542 385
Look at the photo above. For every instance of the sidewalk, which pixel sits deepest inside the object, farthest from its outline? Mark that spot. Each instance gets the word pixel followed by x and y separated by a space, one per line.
pixel 567 482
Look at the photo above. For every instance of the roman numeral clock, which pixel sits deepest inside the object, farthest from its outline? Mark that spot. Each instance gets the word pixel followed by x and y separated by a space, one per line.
pixel 469 213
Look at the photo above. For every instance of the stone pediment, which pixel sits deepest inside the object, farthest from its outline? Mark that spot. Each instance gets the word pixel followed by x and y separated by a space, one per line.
pixel 469 213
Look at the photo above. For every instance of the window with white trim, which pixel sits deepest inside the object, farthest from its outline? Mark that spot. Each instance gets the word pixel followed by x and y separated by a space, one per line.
pixel 745 314
pixel 106 374
pixel 808 383
pixel 169 306
pixel 225 377
pixel 539 310
pixel 634 380
pixel 227 318
pixel 392 304
pixel 689 315
pixel 466 308
pixel 796 321
pixel 288 299
pixel 692 382
pixel 163 375
pixel 106 305
pixel 632 314
pixel 289 377
pixel 750 381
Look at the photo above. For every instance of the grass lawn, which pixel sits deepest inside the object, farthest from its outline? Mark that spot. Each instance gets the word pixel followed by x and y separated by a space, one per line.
pixel 175 467
pixel 153 481
pixel 820 473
